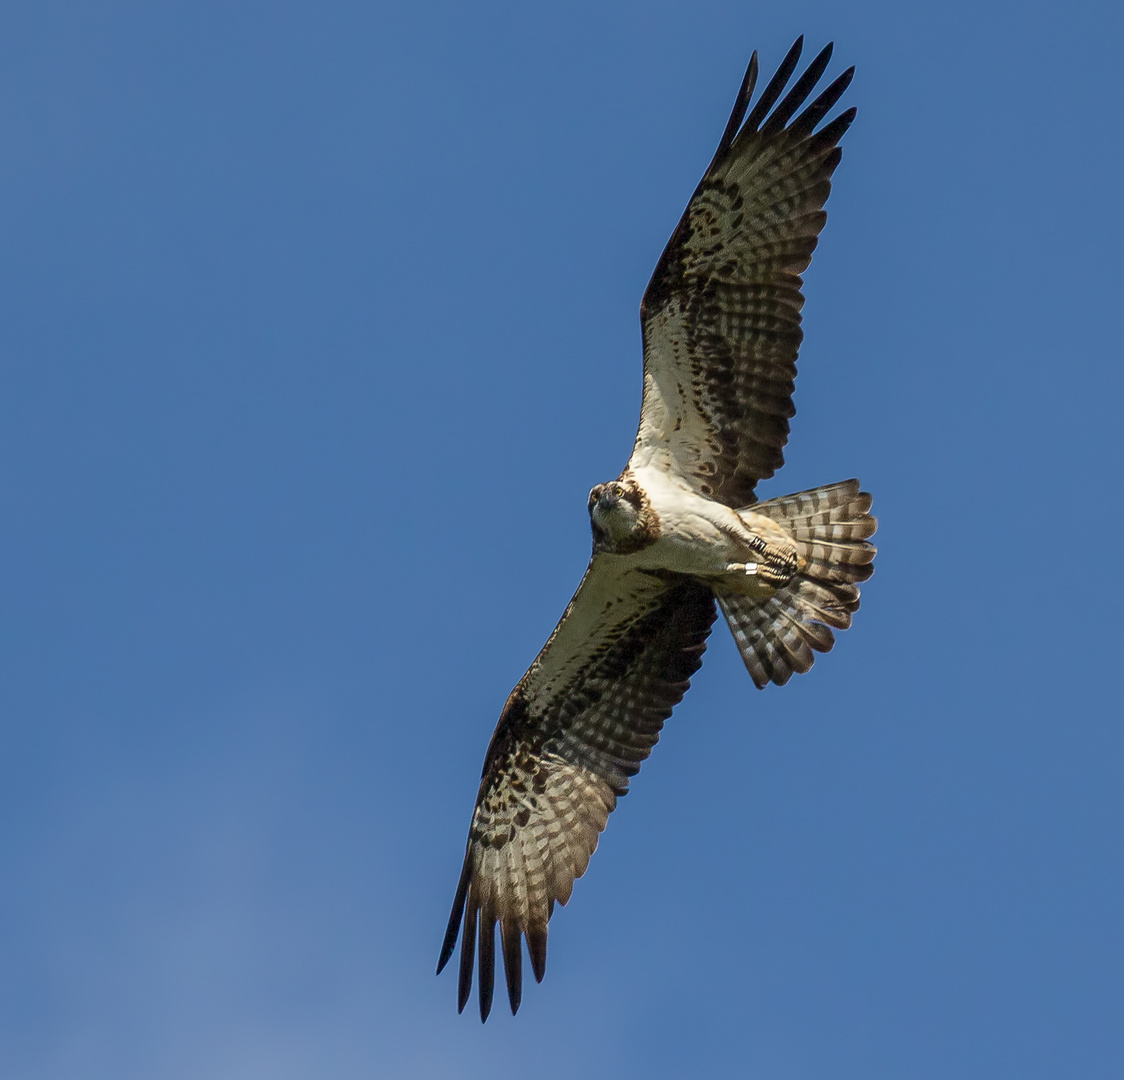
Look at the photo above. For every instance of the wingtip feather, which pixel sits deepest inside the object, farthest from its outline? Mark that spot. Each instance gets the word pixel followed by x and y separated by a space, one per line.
pixel 487 981
pixel 512 963
pixel 776 85
pixel 468 954
pixel 454 925
pixel 536 946
pixel 737 114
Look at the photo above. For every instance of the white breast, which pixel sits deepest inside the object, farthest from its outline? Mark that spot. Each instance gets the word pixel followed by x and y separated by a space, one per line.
pixel 696 533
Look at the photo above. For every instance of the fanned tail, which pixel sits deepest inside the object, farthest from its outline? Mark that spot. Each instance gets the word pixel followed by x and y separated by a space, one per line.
pixel 830 527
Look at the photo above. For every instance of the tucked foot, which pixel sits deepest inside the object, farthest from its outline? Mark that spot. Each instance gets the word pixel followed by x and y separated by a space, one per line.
pixel 778 564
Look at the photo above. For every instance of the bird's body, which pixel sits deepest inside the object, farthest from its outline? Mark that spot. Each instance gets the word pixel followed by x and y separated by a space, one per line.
pixel 678 532
pixel 686 533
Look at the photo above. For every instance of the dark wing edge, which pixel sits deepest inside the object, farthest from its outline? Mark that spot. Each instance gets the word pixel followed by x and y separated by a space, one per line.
pixel 723 305
pixel 554 769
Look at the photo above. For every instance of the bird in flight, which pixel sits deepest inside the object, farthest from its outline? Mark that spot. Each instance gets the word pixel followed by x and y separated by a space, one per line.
pixel 679 530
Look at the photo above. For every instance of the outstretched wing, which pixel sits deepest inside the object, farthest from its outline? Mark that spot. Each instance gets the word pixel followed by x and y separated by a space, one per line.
pixel 721 315
pixel 573 731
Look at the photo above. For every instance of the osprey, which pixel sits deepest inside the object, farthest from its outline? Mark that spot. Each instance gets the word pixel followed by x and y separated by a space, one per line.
pixel 679 529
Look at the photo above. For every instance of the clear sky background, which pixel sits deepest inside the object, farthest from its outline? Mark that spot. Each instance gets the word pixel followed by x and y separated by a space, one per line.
pixel 318 322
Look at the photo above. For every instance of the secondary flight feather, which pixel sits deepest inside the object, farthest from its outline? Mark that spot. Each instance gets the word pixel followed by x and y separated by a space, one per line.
pixel 679 530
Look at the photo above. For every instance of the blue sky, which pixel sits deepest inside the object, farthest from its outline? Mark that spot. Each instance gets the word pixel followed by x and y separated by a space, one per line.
pixel 319 322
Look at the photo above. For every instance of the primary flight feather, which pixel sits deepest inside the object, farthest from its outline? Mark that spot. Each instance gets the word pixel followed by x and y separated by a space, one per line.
pixel 679 529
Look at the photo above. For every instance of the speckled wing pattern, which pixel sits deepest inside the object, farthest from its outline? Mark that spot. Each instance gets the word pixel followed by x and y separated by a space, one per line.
pixel 575 728
pixel 721 315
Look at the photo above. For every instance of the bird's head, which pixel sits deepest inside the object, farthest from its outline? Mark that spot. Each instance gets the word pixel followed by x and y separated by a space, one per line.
pixel 619 516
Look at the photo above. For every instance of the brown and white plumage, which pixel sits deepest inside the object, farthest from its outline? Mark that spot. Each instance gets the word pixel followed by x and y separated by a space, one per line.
pixel 573 731
pixel 677 531
pixel 721 315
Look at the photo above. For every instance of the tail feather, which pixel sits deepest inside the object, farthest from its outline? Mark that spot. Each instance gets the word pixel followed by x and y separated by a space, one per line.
pixel 778 636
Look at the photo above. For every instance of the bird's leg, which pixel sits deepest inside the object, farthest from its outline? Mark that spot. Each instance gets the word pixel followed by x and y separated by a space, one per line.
pixel 777 563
